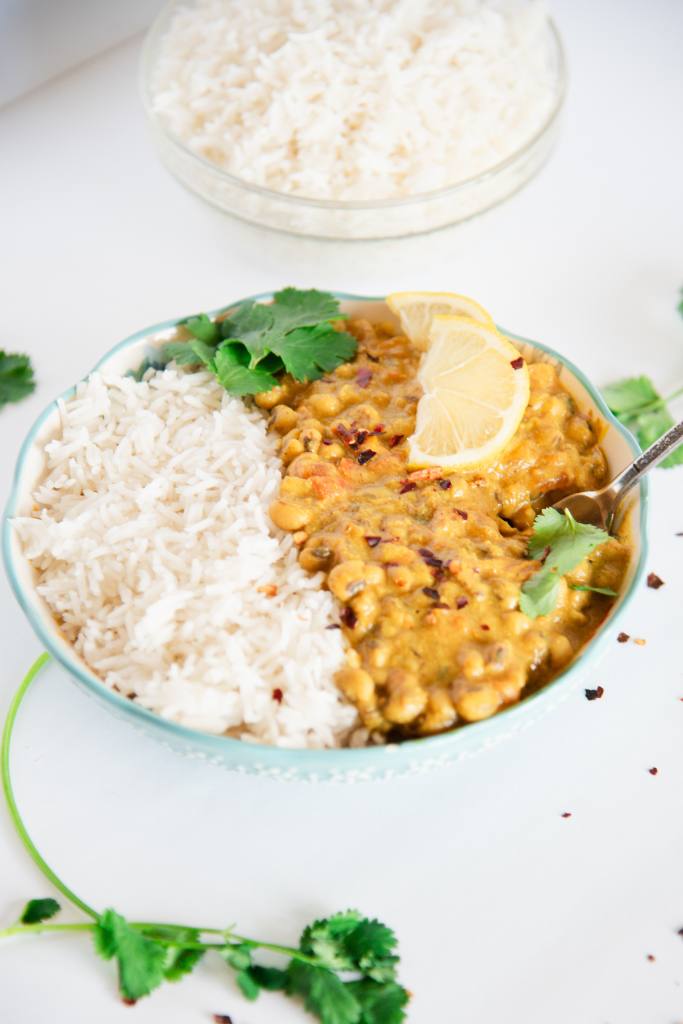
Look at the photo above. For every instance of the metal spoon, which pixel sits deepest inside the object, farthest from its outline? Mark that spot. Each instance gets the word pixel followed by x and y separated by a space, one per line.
pixel 601 507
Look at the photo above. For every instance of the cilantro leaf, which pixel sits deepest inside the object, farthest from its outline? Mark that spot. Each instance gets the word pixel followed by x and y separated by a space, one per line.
pixel 380 1004
pixel 251 324
pixel 293 307
pixel 237 378
pixel 16 377
pixel 141 961
pixel 594 590
pixel 626 396
pixel 637 404
pixel 180 961
pixel 204 329
pixel 270 978
pixel 36 911
pixel 248 986
pixel 325 939
pixel 308 352
pixel 567 543
pixel 324 994
pixel 189 353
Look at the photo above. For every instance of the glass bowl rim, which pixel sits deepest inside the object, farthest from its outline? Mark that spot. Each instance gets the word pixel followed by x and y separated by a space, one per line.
pixel 341 205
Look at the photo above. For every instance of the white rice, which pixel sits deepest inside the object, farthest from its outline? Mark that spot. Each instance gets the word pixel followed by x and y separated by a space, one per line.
pixel 151 541
pixel 355 99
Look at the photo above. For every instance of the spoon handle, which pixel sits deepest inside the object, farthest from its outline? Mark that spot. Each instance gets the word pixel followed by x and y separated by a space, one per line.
pixel 650 457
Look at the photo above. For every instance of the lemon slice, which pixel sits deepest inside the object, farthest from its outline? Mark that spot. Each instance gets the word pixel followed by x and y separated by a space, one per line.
pixel 476 388
pixel 415 310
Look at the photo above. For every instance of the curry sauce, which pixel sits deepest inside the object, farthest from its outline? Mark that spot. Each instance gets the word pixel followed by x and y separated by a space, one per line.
pixel 427 567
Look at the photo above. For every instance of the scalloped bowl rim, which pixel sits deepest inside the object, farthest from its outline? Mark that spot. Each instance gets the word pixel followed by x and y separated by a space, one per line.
pixel 307 761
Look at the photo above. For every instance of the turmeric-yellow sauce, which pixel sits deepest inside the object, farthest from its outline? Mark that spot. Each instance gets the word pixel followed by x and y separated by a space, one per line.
pixel 428 567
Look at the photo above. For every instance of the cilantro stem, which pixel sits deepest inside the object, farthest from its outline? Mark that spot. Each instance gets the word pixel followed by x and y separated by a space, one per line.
pixel 656 403
pixel 33 853
pixel 36 929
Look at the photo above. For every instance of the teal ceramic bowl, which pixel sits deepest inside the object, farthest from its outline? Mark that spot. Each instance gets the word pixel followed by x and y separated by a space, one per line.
pixel 413 756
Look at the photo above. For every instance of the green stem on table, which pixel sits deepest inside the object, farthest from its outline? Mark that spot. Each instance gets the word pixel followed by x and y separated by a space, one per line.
pixel 18 929
pixel 656 403
pixel 35 668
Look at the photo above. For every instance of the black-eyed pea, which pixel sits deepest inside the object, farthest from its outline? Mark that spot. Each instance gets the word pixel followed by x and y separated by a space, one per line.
pixel 349 394
pixel 516 623
pixel 378 655
pixel 366 607
pixel 331 451
pixel 439 713
pixel 399 553
pixel 482 702
pixel 401 577
pixel 289 516
pixel 283 419
pixel 374 574
pixel 325 404
pixel 291 450
pixel 358 685
pixel 560 650
pixel 346 371
pixel 381 399
pixel 311 440
pixel 473 664
pixel 269 399
pixel 366 415
pixel 511 683
pixel 347 579
pixel 295 487
pixel 407 699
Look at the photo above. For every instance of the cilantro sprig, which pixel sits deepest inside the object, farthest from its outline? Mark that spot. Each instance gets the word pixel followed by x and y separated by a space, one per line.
pixel 343 969
pixel 16 377
pixel 638 405
pixel 561 544
pixel 248 350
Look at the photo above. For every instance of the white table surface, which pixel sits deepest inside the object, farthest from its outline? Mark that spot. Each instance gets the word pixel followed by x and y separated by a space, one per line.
pixel 505 910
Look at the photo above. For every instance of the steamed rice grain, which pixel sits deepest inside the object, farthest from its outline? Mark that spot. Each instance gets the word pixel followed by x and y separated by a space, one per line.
pixel 154 550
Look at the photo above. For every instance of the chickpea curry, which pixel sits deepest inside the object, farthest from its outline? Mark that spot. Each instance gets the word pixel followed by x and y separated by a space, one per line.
pixel 428 567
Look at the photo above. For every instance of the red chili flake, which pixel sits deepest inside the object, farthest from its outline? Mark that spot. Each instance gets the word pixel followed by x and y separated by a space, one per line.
pixel 373 359
pixel 344 433
pixel 277 695
pixel 222 1018
pixel 348 617
pixel 440 604
pixel 335 625
pixel 445 485
pixel 653 771
pixel 379 429
pixel 650 958
pixel 517 364
pixel 430 558
pixel 484 626
pixel 654 581
pixel 128 1002
pixel 365 456
pixel 327 440
pixel 431 592
pixel 623 638
pixel 594 694
pixel 395 439
pixel 680 932
pixel 461 602
pixel 461 513
pixel 566 814
pixel 407 485
pixel 372 542
pixel 359 439
pixel 364 376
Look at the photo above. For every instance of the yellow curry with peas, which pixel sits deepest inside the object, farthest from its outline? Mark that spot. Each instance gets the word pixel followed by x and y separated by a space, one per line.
pixel 427 567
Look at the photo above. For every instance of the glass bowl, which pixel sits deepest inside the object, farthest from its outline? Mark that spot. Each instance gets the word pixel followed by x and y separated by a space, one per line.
pixel 341 765
pixel 362 219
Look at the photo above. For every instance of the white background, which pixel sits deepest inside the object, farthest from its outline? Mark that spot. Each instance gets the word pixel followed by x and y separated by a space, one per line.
pixel 505 911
